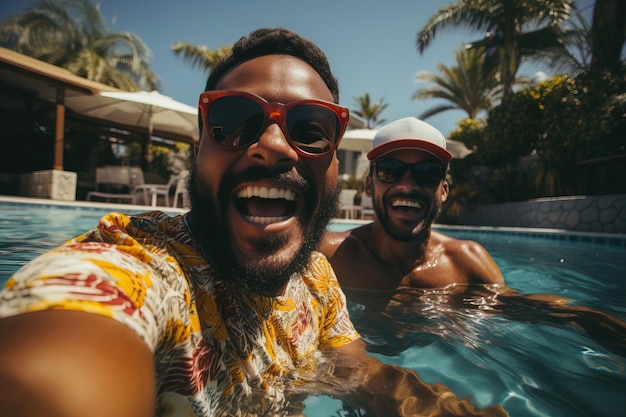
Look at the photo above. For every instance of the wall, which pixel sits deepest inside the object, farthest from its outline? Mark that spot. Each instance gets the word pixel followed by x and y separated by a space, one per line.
pixel 54 184
pixel 598 214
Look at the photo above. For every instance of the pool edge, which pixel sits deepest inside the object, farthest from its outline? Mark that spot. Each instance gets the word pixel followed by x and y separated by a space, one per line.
pixel 612 239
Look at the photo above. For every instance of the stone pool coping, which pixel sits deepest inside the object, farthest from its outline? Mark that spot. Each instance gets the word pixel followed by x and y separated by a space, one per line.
pixel 613 239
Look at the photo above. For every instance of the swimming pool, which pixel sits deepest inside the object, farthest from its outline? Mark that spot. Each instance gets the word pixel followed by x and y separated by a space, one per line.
pixel 520 353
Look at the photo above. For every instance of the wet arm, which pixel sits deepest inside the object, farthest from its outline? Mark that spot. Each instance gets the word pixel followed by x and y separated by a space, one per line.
pixel 606 329
pixel 73 364
pixel 393 391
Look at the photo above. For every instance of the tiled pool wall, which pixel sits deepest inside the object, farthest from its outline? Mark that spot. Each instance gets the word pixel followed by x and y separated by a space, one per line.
pixel 592 214
pixel 613 239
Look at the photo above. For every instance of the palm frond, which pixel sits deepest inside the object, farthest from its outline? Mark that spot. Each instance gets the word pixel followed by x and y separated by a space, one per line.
pixel 200 56
pixel 72 34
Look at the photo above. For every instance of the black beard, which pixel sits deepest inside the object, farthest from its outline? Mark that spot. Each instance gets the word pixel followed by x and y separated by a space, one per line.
pixel 209 227
pixel 413 235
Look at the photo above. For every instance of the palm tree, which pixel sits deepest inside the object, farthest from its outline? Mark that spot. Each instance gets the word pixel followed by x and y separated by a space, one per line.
pixel 577 57
pixel 72 34
pixel 370 112
pixel 468 86
pixel 200 55
pixel 608 34
pixel 514 29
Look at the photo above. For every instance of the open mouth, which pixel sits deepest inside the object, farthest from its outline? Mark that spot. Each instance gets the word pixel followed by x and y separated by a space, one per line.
pixel 266 205
pixel 407 205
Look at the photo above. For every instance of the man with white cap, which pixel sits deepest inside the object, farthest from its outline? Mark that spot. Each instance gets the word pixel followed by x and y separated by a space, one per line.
pixel 399 249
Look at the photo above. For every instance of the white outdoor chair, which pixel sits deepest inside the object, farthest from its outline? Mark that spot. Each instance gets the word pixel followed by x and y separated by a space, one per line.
pixel 366 208
pixel 346 204
pixel 151 192
pixel 117 183
pixel 181 190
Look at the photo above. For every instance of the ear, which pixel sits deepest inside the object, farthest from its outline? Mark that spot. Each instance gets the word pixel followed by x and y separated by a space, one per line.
pixel 445 190
pixel 368 186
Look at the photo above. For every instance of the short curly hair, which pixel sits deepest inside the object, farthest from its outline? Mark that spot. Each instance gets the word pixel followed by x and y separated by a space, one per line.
pixel 278 41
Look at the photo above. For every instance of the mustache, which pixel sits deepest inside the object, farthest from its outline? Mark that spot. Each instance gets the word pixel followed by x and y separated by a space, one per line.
pixel 286 177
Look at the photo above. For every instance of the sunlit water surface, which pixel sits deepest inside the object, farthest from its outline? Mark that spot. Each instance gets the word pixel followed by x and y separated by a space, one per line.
pixel 516 352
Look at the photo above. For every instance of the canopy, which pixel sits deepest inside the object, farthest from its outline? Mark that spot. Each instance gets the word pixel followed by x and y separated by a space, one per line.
pixel 359 140
pixel 151 110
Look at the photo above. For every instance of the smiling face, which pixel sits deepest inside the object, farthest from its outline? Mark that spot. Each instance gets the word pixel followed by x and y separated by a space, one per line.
pixel 407 209
pixel 260 211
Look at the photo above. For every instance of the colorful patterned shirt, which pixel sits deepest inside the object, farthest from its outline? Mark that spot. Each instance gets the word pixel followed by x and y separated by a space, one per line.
pixel 212 345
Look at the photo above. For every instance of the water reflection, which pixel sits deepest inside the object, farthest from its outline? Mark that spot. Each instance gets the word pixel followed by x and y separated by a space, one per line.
pixel 536 354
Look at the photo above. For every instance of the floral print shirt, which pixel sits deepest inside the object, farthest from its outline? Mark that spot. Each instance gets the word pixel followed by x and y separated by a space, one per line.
pixel 212 345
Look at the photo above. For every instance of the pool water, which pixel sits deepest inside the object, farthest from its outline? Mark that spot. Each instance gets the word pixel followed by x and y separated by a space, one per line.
pixel 517 351
pixel 29 230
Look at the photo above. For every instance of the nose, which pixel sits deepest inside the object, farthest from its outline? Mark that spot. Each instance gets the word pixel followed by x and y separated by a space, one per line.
pixel 408 182
pixel 272 146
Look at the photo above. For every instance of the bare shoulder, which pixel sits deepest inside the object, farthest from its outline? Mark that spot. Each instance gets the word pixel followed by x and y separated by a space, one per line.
pixel 331 241
pixel 350 257
pixel 49 354
pixel 471 257
pixel 460 246
pixel 348 240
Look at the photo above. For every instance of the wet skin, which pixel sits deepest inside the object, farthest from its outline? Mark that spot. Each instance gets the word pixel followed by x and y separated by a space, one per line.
pixel 399 249
pixel 406 209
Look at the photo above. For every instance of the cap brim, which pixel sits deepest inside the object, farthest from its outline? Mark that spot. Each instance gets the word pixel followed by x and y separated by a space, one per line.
pixel 422 145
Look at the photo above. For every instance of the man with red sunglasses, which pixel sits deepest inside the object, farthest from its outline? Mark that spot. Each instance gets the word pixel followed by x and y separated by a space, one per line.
pixel 228 309
pixel 399 249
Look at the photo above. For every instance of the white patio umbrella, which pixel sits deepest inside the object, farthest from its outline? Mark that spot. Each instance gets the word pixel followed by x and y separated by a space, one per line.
pixel 151 110
pixel 458 149
pixel 361 140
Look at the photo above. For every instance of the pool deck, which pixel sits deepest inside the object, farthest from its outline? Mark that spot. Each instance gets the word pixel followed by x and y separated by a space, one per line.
pixel 613 239
pixel 42 202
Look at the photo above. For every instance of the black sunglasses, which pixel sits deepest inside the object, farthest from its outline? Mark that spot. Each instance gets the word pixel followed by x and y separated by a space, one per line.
pixel 427 173
pixel 236 119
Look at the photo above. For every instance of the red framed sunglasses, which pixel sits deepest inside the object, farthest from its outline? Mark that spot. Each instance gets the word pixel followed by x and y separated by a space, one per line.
pixel 236 119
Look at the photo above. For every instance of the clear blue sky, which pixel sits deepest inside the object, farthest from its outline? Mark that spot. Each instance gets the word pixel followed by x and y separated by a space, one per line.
pixel 371 44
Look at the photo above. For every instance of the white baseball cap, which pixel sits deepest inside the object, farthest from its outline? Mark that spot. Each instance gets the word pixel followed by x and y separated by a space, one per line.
pixel 409 133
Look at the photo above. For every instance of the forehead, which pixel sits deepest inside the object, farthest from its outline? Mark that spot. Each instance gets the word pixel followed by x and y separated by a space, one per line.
pixel 280 78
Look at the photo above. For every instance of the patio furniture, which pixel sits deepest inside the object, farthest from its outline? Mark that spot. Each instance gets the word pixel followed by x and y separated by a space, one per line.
pixel 151 192
pixel 117 184
pixel 346 204
pixel 366 208
pixel 181 190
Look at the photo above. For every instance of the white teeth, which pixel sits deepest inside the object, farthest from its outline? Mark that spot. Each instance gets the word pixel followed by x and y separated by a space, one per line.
pixel 265 192
pixel 265 220
pixel 405 203
pixel 273 193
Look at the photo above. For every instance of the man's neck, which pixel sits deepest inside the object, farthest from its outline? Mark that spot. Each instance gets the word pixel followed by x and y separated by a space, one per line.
pixel 403 255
